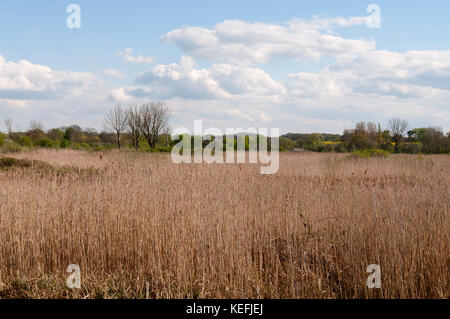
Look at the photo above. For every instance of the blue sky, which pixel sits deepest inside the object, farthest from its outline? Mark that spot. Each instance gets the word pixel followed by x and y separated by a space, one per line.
pixel 212 60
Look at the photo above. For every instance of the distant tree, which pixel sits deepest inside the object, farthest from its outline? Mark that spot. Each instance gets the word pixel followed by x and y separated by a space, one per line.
pixel 68 133
pixel 115 121
pixel 436 141
pixel 36 130
pixel 284 143
pixel 360 128
pixel 107 138
pixel 397 128
pixel 76 127
pixel 90 131
pixel 36 125
pixel 374 133
pixel 9 127
pixel 133 123
pixel 91 136
pixel 73 134
pixel 55 134
pixel 154 121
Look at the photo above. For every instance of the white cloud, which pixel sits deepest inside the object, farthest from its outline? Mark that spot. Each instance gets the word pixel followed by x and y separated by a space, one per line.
pixel 243 43
pixel 372 86
pixel 120 94
pixel 219 81
pixel 24 80
pixel 36 92
pixel 412 74
pixel 226 88
pixel 127 57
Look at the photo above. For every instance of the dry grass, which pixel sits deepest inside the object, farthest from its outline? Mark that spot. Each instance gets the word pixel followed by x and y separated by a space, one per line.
pixel 225 231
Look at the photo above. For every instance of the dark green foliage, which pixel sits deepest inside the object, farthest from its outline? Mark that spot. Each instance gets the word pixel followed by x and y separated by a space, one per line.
pixel 45 142
pixel 24 140
pixel 2 139
pixel 64 143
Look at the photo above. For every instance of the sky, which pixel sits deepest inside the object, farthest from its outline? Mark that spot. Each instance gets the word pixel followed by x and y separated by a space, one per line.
pixel 299 66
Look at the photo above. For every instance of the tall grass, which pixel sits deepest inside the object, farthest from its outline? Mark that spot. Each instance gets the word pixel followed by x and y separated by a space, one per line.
pixel 224 230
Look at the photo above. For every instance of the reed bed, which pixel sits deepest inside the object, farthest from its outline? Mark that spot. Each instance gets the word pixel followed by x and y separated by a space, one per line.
pixel 140 226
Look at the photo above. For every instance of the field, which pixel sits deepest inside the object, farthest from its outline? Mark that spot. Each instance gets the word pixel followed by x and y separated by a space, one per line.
pixel 140 226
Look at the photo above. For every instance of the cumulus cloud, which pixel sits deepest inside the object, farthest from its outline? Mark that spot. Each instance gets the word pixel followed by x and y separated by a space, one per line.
pixel 24 80
pixel 218 81
pixel 120 95
pixel 127 57
pixel 223 79
pixel 412 74
pixel 244 43
pixel 374 86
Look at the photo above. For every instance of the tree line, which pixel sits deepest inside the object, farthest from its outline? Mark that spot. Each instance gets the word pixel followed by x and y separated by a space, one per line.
pixel 396 138
pixel 146 127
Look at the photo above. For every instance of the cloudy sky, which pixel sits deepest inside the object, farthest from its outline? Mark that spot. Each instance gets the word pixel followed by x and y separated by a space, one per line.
pixel 294 65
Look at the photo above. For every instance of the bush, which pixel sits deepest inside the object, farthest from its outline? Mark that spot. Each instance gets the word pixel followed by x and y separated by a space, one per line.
pixel 411 148
pixel 143 145
pixel 13 148
pixel 45 142
pixel 387 147
pixel 24 140
pixel 64 143
pixel 2 139
pixel 340 148
pixel 81 146
pixel 285 144
pixel 98 147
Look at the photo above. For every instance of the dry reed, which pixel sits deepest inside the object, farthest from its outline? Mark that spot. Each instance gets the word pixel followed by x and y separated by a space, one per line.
pixel 224 230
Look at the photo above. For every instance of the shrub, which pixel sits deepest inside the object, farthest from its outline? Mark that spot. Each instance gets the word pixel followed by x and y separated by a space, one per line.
pixel 24 140
pixel 340 148
pixel 45 142
pixel 64 143
pixel 285 144
pixel 98 147
pixel 2 139
pixel 81 146
pixel 143 145
pixel 12 148
pixel 411 148
pixel 387 147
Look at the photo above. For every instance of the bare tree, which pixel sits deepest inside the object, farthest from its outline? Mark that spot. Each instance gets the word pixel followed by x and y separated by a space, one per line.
pixel 397 128
pixel 133 118
pixel 9 127
pixel 116 121
pixel 36 130
pixel 154 121
pixel 373 133
pixel 36 125
pixel 360 128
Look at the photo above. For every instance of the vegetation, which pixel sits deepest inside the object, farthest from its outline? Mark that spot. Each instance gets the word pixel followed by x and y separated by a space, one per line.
pixel 146 128
pixel 132 219
pixel 366 137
